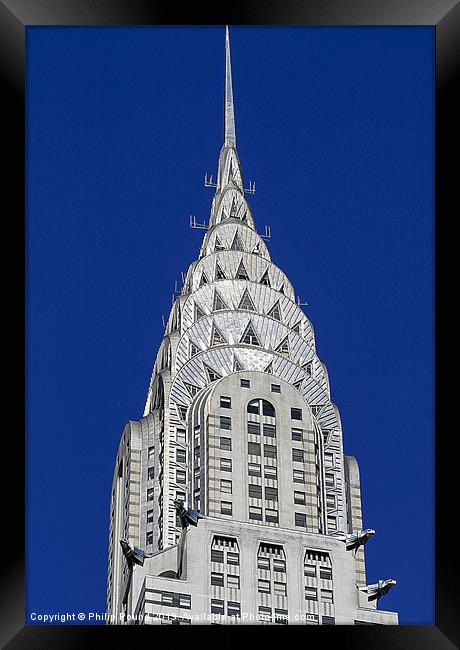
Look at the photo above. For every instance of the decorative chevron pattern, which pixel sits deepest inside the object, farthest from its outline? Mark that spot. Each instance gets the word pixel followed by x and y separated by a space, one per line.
pixel 237 311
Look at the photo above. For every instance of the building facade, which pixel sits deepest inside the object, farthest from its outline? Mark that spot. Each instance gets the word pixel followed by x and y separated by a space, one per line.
pixel 238 424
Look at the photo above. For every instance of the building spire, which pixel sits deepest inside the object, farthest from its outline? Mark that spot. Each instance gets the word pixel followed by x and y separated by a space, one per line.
pixel 229 117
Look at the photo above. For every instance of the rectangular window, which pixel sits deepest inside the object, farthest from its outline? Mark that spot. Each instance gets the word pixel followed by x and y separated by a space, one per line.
pixel 300 519
pixel 225 402
pixel 299 498
pixel 180 434
pixel 270 472
pixel 245 383
pixel 332 523
pixel 254 428
pixel 255 513
pixel 233 609
pixel 225 486
pixel 279 565
pixel 330 500
pixel 269 430
pixel 297 455
pixel 276 388
pixel 298 476
pixel 279 589
pixel 217 579
pixel 296 414
pixel 151 452
pixel 255 491
pixel 149 516
pixel 150 494
pixel 310 570
pixel 225 422
pixel 226 444
pixel 181 455
pixel 271 516
pixel 254 469
pixel 328 620
pixel 263 563
pixel 265 613
pixel 233 558
pixel 226 464
pixel 180 476
pixel 297 435
pixel 217 606
pixel 325 573
pixel 281 616
pixel 254 448
pixel 328 459
pixel 269 451
pixel 149 537
pixel 167 598
pixel 226 508
pixel 311 593
pixel 263 586
pixel 180 496
pixel 271 494
pixel 330 479
pixel 185 601
pixel 150 473
pixel 217 556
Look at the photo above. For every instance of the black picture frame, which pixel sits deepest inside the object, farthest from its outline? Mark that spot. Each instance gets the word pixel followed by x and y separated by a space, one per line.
pixel 15 16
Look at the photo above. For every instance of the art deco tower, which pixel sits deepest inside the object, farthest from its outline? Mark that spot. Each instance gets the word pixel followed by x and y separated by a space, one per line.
pixel 240 425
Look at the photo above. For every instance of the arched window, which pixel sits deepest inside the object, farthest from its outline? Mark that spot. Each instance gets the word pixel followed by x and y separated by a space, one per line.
pixel 261 407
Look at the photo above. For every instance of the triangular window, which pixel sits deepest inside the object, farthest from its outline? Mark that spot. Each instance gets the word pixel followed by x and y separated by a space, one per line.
pixel 182 411
pixel 219 274
pixel 233 209
pixel 237 367
pixel 218 246
pixel 308 367
pixel 249 335
pixel 275 312
pixel 199 313
pixel 193 390
pixel 256 249
pixel 265 279
pixel 212 374
pixel 298 384
pixel 216 337
pixel 241 273
pixel 236 243
pixel 296 327
pixel 281 289
pixel 283 347
pixel 316 409
pixel 204 279
pixel 269 368
pixel 218 304
pixel 246 302
pixel 244 218
pixel 193 349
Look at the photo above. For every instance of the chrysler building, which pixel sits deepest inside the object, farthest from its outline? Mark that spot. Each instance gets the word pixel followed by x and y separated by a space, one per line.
pixel 232 499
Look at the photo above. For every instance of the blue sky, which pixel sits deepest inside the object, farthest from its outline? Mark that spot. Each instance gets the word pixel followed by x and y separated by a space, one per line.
pixel 336 127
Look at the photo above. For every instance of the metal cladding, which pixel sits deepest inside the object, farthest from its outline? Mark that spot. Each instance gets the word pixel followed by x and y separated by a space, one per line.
pixel 235 479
